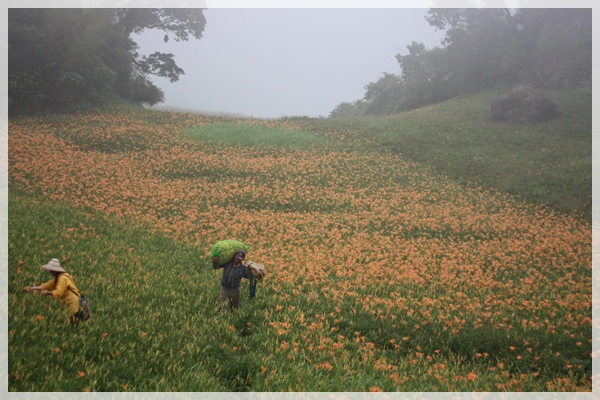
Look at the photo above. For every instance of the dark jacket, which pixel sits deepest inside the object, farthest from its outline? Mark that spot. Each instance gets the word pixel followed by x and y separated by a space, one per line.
pixel 232 276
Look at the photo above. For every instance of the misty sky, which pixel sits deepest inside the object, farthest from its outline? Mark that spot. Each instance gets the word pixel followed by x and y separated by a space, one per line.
pixel 270 63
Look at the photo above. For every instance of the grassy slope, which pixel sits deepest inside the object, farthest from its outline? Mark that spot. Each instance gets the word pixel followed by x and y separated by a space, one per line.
pixel 155 326
pixel 547 163
pixel 141 287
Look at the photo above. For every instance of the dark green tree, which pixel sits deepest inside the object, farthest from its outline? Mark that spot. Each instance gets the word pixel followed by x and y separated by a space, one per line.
pixel 425 77
pixel 479 45
pixel 179 22
pixel 556 46
pixel 67 59
pixel 347 109
pixel 382 97
pixel 26 60
pixel 487 47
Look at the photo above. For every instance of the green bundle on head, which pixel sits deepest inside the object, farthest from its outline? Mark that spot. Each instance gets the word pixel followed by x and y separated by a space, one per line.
pixel 225 250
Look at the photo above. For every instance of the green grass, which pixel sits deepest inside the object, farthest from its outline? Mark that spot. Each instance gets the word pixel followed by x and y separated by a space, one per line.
pixel 546 163
pixel 239 133
pixel 155 324
pixel 154 321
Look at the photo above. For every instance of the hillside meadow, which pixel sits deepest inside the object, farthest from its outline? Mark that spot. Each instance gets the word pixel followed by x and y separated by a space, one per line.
pixel 547 163
pixel 382 274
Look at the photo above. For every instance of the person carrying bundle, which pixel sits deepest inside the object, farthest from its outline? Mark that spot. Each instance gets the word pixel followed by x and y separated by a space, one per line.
pixel 229 255
pixel 233 272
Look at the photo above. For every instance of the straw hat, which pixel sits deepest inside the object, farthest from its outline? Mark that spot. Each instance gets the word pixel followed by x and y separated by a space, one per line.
pixel 54 265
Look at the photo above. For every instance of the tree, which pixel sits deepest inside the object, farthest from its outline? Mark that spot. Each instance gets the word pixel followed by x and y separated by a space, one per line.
pixel 557 44
pixel 55 59
pixel 67 59
pixel 479 44
pixel 381 97
pixel 347 109
pixel 26 57
pixel 182 23
pixel 425 77
pixel 486 47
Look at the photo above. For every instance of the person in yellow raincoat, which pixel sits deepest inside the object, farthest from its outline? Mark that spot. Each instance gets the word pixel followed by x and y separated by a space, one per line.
pixel 62 288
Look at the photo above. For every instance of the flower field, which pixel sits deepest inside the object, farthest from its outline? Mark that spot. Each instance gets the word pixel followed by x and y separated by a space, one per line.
pixel 381 276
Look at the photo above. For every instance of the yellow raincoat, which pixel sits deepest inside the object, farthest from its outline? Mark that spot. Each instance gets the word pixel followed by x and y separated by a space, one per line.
pixel 65 291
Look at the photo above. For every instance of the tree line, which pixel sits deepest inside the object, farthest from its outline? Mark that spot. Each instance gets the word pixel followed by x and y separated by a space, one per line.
pixel 484 48
pixel 63 60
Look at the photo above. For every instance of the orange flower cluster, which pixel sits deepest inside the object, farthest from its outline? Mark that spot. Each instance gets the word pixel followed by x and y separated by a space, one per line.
pixel 344 225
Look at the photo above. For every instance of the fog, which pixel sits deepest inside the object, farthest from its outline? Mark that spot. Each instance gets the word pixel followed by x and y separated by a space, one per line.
pixel 269 63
